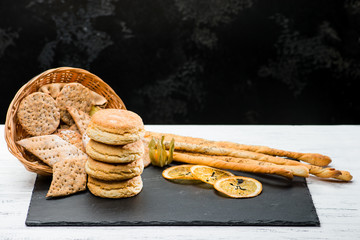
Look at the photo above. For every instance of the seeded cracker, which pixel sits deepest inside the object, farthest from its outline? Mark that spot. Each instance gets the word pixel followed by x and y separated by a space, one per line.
pixel 82 119
pixel 53 89
pixel 85 139
pixel 68 177
pixel 71 137
pixel 38 114
pixel 73 95
pixel 74 128
pixel 51 148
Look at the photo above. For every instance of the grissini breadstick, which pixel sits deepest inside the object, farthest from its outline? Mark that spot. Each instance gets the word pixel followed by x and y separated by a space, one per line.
pixel 211 150
pixel 323 172
pixel 300 171
pixel 345 176
pixel 199 145
pixel 238 154
pixel 297 170
pixel 201 160
pixel 312 158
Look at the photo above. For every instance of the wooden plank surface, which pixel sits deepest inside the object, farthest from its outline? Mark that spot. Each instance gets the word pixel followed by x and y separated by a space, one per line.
pixel 337 204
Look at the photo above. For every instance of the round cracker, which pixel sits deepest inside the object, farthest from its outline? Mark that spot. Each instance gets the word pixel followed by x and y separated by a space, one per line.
pixel 38 114
pixel 53 89
pixel 73 95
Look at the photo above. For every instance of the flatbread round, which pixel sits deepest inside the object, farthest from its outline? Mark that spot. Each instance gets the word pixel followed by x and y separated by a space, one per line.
pixel 38 114
pixel 53 89
pixel 73 95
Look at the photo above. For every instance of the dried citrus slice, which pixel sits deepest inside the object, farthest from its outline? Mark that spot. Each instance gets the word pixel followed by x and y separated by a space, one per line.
pixel 179 172
pixel 238 187
pixel 209 174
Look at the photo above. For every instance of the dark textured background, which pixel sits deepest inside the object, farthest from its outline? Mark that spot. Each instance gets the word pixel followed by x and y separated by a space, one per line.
pixel 196 61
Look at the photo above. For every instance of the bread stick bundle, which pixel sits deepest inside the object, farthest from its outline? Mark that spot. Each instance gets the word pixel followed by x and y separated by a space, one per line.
pixel 312 158
pixel 208 151
pixel 214 162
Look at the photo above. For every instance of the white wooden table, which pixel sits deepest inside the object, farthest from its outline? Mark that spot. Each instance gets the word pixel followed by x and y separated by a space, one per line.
pixel 337 204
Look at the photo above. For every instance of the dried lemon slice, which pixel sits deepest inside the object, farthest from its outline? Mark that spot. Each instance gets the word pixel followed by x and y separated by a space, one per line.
pixel 209 174
pixel 179 172
pixel 238 187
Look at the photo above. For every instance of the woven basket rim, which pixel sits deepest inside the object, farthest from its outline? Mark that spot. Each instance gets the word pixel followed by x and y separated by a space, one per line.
pixel 10 126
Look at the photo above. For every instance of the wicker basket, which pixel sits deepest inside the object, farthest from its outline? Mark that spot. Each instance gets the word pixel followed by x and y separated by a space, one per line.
pixel 14 131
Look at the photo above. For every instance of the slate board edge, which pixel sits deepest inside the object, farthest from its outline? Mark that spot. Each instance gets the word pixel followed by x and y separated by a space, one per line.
pixel 28 223
pixel 313 205
pixel 188 223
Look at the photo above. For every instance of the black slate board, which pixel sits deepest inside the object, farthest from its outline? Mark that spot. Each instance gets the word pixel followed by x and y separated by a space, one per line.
pixel 161 202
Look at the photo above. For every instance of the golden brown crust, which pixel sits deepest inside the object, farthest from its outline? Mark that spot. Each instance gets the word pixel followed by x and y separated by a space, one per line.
pixel 212 162
pixel 115 153
pixel 113 172
pixel 344 176
pixel 102 136
pixel 312 158
pixel 211 150
pixel 115 189
pixel 117 121
pixel 324 172
pixel 301 171
pixel 198 145
pixel 252 152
